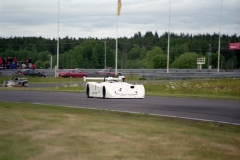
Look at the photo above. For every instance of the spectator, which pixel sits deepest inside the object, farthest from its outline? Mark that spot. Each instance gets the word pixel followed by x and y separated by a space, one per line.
pixel 11 59
pixel 15 61
pixel 4 63
pixel 23 65
pixel 33 66
pixel 29 60
pixel 26 63
pixel 11 63
pixel 29 65
pixel 7 63
pixel 1 63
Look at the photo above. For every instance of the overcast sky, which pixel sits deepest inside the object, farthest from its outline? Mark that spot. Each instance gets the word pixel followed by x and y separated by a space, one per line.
pixel 98 18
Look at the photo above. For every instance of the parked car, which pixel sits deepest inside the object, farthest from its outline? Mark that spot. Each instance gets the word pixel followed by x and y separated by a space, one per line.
pixel 107 72
pixel 30 72
pixel 72 73
pixel 17 72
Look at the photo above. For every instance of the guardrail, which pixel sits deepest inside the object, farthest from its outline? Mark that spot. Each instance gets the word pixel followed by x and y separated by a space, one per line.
pixel 141 71
pixel 174 73
pixel 155 73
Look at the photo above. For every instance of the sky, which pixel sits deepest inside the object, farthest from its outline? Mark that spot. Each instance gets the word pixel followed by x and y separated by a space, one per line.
pixel 98 18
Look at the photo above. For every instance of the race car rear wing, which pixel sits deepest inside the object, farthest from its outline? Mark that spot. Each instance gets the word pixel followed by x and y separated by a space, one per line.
pixel 18 78
pixel 120 78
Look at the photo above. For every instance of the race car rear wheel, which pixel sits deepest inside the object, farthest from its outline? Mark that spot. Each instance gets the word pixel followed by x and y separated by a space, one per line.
pixel 24 84
pixel 87 91
pixel 104 92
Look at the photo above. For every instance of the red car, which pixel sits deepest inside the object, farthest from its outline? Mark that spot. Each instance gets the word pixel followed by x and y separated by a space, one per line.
pixel 72 73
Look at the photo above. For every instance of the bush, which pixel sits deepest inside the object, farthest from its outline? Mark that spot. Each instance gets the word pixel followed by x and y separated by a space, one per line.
pixel 46 64
pixel 186 61
pixel 39 64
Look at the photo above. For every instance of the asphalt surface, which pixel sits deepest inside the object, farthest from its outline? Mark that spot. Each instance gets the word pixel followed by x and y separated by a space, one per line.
pixel 222 111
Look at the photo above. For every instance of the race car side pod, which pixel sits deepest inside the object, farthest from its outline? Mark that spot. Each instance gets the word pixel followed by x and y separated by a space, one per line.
pixel 120 78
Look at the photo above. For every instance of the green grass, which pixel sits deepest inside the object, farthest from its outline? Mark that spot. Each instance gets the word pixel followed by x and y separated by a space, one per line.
pixel 30 131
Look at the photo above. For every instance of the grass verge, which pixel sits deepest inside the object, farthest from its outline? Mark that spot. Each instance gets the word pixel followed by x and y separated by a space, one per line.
pixel 228 88
pixel 30 131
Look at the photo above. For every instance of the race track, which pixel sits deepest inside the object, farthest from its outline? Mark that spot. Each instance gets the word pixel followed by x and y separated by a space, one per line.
pixel 223 111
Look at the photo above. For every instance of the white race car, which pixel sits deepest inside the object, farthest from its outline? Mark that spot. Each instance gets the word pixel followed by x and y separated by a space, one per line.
pixel 113 88
pixel 16 82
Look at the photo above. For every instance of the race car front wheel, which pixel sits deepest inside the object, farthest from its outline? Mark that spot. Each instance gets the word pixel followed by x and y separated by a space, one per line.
pixel 4 84
pixel 24 84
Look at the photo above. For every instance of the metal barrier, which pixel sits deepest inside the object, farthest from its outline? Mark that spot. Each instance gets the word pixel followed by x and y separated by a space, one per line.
pixel 155 73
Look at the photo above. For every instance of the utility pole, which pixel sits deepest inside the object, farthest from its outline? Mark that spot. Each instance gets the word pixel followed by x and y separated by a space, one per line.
pixel 219 39
pixel 209 56
pixel 168 37
pixel 105 54
pixel 57 68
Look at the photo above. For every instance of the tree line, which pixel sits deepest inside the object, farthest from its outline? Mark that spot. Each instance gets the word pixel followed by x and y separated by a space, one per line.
pixel 139 51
